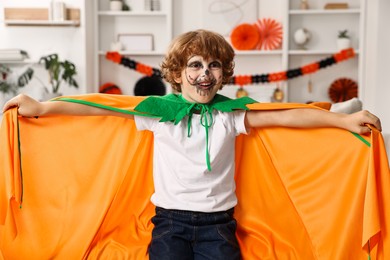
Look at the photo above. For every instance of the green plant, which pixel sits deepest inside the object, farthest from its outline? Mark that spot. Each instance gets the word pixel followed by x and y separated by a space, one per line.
pixel 59 71
pixel 343 34
pixel 10 82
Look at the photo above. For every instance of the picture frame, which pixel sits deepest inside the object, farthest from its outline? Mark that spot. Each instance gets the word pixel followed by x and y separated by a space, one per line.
pixel 136 41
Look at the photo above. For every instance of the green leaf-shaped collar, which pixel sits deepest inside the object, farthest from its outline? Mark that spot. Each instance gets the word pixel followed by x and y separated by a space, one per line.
pixel 174 108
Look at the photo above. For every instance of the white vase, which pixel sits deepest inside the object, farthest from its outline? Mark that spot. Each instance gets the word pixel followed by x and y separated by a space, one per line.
pixel 116 46
pixel 343 43
pixel 116 5
pixel 57 11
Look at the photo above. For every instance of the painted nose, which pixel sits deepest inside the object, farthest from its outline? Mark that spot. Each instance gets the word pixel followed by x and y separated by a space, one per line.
pixel 206 72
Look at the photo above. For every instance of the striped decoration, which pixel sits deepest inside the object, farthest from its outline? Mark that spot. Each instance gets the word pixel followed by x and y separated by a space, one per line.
pixel 242 80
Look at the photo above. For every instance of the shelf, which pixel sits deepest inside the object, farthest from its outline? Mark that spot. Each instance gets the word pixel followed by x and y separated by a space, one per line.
pixel 322 11
pixel 110 25
pixel 27 61
pixel 132 13
pixel 157 53
pixel 136 53
pixel 42 23
pixel 243 53
pixel 315 52
pixel 39 17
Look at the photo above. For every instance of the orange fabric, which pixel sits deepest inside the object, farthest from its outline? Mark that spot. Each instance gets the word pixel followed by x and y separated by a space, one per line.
pixel 322 104
pixel 86 183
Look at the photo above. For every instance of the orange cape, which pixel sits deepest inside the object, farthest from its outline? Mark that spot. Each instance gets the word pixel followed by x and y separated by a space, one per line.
pixel 79 188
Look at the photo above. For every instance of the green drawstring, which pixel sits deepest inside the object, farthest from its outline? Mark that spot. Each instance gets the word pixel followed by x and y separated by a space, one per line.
pixel 369 250
pixel 206 124
pixel 206 120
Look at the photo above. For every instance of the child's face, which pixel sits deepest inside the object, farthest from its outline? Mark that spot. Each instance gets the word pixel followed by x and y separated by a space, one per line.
pixel 200 79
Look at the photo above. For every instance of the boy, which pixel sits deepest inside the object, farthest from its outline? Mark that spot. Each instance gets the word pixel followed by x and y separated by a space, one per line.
pixel 194 197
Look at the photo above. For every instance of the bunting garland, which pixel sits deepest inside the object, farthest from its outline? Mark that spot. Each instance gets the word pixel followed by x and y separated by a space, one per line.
pixel 242 80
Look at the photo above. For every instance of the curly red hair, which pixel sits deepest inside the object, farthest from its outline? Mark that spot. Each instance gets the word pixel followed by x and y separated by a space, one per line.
pixel 209 45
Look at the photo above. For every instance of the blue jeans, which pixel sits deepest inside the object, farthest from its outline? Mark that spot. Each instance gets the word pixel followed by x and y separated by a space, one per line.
pixel 180 235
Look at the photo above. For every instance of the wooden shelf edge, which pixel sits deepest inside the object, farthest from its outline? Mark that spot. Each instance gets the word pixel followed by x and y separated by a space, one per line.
pixel 41 23
pixel 315 52
pixel 135 53
pixel 258 52
pixel 325 11
pixel 22 62
pixel 132 13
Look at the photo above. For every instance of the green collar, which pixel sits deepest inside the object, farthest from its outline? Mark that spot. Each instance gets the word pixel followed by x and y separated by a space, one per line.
pixel 173 108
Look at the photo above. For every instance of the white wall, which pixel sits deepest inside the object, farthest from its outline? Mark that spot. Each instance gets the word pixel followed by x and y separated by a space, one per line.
pixel 377 94
pixel 382 94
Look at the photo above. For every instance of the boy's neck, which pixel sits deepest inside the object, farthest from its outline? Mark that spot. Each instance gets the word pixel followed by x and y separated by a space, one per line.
pixel 187 101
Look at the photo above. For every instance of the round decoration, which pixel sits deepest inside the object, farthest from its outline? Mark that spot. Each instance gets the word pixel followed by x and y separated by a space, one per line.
pixel 343 89
pixel 278 95
pixel 271 34
pixel 241 93
pixel 110 88
pixel 302 37
pixel 245 37
pixel 148 86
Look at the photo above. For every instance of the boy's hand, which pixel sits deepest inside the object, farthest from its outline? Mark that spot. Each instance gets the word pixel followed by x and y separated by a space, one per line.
pixel 27 106
pixel 357 122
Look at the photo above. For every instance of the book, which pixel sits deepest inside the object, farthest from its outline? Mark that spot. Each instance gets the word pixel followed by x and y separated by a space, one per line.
pixel 13 55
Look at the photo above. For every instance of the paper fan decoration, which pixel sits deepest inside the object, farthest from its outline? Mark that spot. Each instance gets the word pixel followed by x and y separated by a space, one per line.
pixel 245 37
pixel 271 34
pixel 342 89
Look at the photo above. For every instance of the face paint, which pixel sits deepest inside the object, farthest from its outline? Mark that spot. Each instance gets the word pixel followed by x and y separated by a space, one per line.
pixel 202 75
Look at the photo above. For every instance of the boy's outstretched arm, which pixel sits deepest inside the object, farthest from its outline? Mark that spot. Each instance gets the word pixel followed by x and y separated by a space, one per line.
pixel 29 107
pixel 311 118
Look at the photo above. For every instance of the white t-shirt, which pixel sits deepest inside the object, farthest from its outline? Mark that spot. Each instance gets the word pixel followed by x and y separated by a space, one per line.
pixel 181 178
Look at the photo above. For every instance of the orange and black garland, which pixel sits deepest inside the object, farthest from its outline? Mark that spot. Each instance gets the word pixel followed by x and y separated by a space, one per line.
pixel 242 80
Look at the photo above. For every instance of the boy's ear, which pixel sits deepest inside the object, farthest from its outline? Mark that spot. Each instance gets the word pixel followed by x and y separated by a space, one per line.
pixel 177 79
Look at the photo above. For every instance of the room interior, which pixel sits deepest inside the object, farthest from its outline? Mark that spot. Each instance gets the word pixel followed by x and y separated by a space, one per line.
pixel 311 194
pixel 88 30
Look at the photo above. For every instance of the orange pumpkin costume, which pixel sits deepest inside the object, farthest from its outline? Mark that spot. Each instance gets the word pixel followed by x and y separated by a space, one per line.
pixel 79 188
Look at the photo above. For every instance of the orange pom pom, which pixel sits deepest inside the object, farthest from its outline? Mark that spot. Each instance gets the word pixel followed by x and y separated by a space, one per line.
pixel 114 56
pixel 310 68
pixel 278 76
pixel 110 88
pixel 144 69
pixel 245 37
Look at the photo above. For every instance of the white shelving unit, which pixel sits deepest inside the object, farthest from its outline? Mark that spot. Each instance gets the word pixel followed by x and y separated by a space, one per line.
pixel 324 25
pixel 109 24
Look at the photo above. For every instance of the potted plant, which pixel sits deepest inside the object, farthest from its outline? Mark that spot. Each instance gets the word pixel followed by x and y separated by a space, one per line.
pixel 119 5
pixel 116 5
pixel 59 71
pixel 10 82
pixel 343 40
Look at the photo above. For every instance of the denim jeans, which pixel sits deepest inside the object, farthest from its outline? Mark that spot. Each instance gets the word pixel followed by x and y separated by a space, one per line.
pixel 180 235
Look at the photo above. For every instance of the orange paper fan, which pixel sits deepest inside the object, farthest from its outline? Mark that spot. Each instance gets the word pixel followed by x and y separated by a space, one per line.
pixel 271 34
pixel 245 37
pixel 342 89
